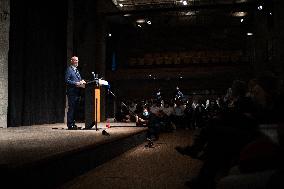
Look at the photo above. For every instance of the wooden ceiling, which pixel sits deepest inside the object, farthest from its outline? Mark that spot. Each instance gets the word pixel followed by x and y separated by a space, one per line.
pixel 184 12
pixel 135 5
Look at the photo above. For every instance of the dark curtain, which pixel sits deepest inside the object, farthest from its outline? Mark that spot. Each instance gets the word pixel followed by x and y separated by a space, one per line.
pixel 37 62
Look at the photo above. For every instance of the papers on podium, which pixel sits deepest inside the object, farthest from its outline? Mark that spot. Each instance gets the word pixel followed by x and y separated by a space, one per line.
pixel 103 82
pixel 99 82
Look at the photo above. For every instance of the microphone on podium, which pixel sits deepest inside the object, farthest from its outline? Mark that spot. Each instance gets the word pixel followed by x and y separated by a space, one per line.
pixel 93 73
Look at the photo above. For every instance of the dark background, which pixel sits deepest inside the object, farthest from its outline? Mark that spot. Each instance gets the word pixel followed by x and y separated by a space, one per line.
pixel 37 62
pixel 44 35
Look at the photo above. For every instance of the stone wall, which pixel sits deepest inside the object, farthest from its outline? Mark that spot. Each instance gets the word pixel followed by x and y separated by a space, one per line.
pixel 4 47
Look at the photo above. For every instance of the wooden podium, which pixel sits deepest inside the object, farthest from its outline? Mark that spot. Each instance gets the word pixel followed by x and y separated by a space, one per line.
pixel 92 104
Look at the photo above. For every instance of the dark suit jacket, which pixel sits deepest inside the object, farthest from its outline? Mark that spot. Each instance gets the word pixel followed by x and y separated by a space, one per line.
pixel 70 79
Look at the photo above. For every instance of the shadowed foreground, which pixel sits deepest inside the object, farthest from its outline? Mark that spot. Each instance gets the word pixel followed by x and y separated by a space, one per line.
pixel 141 167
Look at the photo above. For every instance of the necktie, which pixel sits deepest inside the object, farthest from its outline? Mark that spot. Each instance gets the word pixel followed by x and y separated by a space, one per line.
pixel 77 73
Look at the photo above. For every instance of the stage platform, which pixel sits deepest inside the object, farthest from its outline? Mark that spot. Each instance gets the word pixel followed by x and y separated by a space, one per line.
pixel 45 156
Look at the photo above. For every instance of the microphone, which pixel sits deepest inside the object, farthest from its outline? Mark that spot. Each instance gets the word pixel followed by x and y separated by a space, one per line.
pixel 94 75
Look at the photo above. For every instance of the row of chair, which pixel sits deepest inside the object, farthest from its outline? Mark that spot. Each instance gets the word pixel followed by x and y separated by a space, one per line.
pixel 188 58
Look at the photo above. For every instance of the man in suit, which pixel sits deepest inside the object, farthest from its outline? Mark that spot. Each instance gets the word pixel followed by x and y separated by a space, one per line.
pixel 74 82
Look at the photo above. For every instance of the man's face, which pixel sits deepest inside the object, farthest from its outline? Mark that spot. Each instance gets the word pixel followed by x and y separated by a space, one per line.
pixel 74 61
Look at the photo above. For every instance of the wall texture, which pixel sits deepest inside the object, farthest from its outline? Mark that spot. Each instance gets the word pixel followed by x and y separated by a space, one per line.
pixel 4 47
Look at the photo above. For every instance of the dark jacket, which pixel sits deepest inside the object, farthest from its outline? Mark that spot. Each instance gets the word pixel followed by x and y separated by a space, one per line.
pixel 70 79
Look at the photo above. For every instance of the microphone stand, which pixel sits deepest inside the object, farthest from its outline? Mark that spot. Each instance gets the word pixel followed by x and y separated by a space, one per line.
pixel 128 108
pixel 114 103
pixel 131 112
pixel 96 80
pixel 111 93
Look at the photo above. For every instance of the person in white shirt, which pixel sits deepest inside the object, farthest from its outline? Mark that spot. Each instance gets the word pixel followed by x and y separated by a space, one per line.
pixel 168 112
pixel 155 108
pixel 179 114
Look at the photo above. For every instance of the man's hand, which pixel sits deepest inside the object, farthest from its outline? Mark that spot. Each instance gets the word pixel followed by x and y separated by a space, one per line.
pixel 81 84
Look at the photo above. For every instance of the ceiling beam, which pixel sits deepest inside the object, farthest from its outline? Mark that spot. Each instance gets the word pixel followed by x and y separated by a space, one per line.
pixel 239 6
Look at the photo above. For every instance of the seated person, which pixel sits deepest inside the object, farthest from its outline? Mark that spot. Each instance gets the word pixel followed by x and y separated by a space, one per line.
pixel 167 118
pixel 178 115
pixel 143 119
pixel 154 125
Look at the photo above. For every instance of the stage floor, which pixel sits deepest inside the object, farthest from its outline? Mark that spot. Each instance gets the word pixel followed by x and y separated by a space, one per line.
pixel 28 144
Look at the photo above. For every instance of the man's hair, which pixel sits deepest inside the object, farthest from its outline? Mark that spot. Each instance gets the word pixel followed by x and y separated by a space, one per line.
pixel 73 57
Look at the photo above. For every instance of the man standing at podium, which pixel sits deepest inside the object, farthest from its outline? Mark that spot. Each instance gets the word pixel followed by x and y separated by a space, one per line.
pixel 74 82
